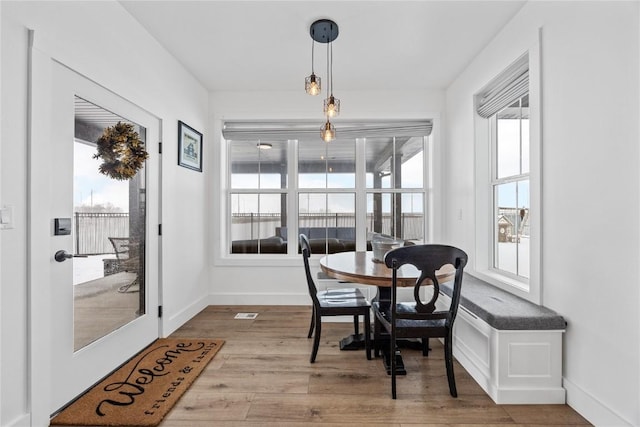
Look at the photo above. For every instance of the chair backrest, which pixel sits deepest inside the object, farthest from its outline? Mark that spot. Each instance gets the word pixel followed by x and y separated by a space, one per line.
pixel 428 259
pixel 121 247
pixel 306 252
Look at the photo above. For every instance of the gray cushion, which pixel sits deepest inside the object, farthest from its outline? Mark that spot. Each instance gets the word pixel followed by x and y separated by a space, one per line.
pixel 502 310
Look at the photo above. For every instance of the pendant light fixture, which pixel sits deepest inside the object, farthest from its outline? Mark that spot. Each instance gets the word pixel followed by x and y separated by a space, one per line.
pixel 328 131
pixel 312 84
pixel 324 31
pixel 331 103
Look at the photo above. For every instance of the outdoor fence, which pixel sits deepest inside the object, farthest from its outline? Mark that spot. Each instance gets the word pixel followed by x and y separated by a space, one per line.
pixel 92 231
pixel 249 226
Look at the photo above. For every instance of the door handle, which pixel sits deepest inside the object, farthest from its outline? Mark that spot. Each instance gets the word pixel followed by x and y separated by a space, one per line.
pixel 62 255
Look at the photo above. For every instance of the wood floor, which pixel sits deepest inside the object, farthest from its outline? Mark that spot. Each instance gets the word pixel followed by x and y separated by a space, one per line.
pixel 262 377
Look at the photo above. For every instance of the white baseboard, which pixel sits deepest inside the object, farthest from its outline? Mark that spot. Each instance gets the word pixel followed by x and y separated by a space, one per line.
pixel 224 298
pixel 591 408
pixel 542 396
pixel 170 324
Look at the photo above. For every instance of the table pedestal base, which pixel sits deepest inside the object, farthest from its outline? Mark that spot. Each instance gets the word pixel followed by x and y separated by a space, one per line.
pixel 352 342
pixel 386 361
pixel 412 344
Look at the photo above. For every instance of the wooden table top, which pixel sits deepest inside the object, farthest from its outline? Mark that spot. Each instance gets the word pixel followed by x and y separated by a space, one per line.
pixel 359 267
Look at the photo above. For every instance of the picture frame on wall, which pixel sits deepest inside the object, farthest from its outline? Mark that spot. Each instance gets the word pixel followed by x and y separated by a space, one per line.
pixel 189 147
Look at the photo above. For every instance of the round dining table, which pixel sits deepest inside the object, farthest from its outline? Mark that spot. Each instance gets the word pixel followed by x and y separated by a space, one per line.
pixel 360 267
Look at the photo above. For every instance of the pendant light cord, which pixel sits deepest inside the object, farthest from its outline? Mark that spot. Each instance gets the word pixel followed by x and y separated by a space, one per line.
pixel 313 44
pixel 328 75
pixel 331 79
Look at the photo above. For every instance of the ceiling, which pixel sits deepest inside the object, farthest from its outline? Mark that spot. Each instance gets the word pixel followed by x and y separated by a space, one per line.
pixel 265 45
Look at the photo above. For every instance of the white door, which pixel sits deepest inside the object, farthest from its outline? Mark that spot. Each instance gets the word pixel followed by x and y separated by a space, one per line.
pixel 104 242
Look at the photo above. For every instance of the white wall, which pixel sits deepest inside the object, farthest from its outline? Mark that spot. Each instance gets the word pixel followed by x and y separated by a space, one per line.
pixel 590 187
pixel 13 166
pixel 282 281
pixel 103 42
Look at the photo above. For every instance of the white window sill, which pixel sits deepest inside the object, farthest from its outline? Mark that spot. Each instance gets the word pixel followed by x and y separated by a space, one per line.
pixel 509 284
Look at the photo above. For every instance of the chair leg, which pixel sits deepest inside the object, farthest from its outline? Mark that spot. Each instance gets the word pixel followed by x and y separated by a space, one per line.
pixel 313 320
pixel 356 324
pixel 425 347
pixel 316 338
pixel 392 355
pixel 376 337
pixel 448 359
pixel 367 335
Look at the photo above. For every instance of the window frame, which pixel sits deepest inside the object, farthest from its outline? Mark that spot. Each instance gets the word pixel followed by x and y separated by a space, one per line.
pixel 482 266
pixel 495 182
pixel 293 192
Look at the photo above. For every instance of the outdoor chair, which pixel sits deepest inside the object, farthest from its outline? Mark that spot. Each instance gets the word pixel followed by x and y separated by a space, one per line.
pixel 127 260
pixel 417 319
pixel 334 302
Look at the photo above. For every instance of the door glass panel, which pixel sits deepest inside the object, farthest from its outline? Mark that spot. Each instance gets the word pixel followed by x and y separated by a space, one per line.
pixel 108 233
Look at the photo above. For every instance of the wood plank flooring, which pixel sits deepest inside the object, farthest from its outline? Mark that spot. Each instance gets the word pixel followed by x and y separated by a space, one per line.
pixel 262 377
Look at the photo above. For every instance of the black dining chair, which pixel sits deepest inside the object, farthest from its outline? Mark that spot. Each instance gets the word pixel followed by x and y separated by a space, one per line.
pixel 334 302
pixel 417 319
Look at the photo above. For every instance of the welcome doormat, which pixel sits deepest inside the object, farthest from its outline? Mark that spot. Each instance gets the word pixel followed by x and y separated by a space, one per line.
pixel 143 390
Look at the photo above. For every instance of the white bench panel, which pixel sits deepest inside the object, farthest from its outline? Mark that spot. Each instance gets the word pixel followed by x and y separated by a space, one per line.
pixel 513 367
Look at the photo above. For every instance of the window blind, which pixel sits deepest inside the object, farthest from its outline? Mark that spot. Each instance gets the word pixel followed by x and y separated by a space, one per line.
pixel 506 88
pixel 303 130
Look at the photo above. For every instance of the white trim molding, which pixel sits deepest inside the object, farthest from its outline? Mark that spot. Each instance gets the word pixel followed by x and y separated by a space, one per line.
pixel 595 411
pixel 481 267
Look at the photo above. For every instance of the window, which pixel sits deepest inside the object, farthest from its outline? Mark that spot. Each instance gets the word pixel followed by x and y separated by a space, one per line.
pixel 285 180
pixel 327 200
pixel 392 208
pixel 258 197
pixel 510 189
pixel 507 179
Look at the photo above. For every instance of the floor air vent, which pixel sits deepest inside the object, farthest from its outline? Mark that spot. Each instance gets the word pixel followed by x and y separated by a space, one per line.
pixel 249 316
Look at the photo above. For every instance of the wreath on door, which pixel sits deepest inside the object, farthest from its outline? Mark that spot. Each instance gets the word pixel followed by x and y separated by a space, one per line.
pixel 122 152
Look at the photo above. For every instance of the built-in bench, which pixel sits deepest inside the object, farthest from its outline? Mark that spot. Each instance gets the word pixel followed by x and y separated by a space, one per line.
pixel 510 346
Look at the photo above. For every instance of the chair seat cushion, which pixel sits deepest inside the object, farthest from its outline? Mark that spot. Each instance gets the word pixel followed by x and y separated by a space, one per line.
pixel 385 316
pixel 347 297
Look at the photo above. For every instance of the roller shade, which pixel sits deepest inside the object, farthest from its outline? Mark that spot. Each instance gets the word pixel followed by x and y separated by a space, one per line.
pixel 244 130
pixel 506 88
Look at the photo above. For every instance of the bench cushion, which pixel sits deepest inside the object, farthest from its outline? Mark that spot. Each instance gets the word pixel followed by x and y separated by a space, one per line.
pixel 502 310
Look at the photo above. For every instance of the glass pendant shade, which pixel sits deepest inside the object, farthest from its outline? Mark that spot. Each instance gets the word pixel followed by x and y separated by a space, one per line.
pixel 332 106
pixel 312 84
pixel 328 132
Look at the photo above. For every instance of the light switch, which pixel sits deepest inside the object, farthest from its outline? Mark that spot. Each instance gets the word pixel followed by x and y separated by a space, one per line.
pixel 6 217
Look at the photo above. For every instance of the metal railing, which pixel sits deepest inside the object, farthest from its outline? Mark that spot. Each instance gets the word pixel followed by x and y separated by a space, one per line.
pixel 249 226
pixel 92 231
